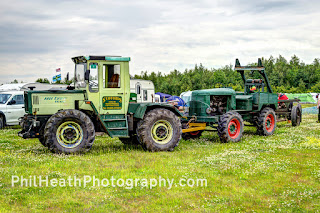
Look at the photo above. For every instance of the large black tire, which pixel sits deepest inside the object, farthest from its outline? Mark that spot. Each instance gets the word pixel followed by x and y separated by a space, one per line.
pixel 1 122
pixel 296 116
pixel 69 131
pixel 230 127
pixel 300 107
pixel 42 141
pixel 160 130
pixel 266 121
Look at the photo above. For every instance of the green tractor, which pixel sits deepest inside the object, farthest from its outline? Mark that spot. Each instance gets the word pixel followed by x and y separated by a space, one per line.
pixel 225 110
pixel 65 121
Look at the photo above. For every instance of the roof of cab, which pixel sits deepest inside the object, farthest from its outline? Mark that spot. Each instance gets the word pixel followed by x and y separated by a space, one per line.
pixel 215 91
pixel 12 92
pixel 83 59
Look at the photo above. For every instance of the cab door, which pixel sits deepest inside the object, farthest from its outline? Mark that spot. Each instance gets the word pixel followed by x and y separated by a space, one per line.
pixel 15 110
pixel 114 88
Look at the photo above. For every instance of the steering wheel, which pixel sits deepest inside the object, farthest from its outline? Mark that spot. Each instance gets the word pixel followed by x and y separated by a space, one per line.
pixel 221 85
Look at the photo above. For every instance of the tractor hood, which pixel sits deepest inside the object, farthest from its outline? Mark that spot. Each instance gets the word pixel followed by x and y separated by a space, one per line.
pixel 49 102
pixel 216 91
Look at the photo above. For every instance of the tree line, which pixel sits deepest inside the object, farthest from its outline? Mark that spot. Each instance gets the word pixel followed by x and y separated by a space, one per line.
pixel 285 76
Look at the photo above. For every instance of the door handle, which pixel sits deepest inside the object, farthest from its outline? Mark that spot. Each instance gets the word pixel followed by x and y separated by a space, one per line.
pixel 120 93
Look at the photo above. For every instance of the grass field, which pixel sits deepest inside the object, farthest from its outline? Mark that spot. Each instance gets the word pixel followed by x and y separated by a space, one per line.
pixel 275 173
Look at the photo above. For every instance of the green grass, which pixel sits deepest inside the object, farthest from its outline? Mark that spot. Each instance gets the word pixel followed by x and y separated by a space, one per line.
pixel 308 105
pixel 275 173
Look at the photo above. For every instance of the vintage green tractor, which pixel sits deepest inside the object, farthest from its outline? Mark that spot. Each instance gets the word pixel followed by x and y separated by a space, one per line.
pixel 225 110
pixel 65 121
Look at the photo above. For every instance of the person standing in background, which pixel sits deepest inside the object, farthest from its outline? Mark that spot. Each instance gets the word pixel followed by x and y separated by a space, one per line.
pixel 318 106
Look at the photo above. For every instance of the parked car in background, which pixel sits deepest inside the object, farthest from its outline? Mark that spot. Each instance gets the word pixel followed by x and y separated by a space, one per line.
pixel 11 107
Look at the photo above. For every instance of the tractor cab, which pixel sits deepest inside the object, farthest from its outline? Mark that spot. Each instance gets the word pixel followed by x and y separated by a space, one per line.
pixel 105 80
pixel 254 85
pixel 260 84
pixel 257 92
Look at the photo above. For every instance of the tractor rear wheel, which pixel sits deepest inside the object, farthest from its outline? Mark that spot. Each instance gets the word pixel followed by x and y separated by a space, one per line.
pixel 296 116
pixel 266 122
pixel 42 141
pixel 230 127
pixel 69 131
pixel 160 130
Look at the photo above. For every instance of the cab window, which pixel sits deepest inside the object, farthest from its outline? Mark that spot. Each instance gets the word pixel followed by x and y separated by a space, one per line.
pixel 18 99
pixel 111 75
pixel 138 89
pixel 93 79
pixel 145 95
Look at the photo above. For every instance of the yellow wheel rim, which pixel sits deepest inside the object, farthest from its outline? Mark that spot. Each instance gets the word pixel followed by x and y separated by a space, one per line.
pixel 162 132
pixel 69 134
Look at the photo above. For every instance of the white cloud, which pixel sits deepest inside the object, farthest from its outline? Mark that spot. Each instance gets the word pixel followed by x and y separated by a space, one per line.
pixel 39 36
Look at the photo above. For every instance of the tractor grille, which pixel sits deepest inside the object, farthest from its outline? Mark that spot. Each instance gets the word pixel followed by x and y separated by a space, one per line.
pixel 198 108
pixel 35 100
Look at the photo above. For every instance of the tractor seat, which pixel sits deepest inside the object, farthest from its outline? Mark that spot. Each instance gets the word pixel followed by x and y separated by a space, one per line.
pixel 252 81
pixel 114 81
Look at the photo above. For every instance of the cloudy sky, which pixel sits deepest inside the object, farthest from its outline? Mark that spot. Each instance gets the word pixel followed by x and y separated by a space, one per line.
pixel 39 36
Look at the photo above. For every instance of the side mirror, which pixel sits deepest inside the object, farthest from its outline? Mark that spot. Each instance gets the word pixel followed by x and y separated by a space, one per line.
pixel 12 102
pixel 87 75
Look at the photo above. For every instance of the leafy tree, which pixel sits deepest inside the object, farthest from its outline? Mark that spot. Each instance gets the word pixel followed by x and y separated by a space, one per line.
pixel 293 76
pixel 316 88
pixel 43 80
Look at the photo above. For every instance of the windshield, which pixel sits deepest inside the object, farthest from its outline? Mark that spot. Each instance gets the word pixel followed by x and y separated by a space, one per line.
pixel 4 98
pixel 79 75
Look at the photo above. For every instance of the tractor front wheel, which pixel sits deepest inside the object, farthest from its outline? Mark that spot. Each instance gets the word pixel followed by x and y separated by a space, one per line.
pixel 230 127
pixel 296 115
pixel 160 130
pixel 69 131
pixel 266 122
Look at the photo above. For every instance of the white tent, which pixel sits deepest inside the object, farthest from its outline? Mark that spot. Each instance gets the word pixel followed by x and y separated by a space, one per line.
pixel 186 97
pixel 11 87
pixel 37 86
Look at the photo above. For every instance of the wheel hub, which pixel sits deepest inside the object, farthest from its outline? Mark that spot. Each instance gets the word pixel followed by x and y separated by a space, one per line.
pixel 269 123
pixel 69 134
pixel 234 128
pixel 162 131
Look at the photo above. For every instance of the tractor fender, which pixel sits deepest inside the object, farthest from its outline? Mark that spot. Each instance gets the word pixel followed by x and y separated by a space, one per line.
pixel 141 109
